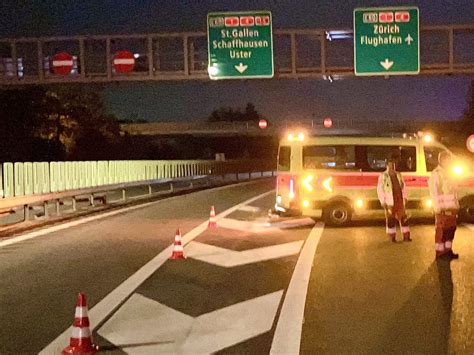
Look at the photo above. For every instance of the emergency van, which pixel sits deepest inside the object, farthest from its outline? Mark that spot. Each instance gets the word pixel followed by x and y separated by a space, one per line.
pixel 335 177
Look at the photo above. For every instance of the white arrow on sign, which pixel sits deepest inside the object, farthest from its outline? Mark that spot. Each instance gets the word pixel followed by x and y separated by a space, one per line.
pixel 230 258
pixel 386 64
pixel 409 39
pixel 241 68
pixel 145 326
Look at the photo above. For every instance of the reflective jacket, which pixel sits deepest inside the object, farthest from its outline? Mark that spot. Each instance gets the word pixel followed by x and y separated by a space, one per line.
pixel 442 191
pixel 385 191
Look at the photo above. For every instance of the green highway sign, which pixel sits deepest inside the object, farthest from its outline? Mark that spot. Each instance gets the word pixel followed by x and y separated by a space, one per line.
pixel 386 41
pixel 240 45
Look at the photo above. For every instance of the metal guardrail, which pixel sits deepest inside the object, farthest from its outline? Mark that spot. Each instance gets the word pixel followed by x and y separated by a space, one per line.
pixel 298 53
pixel 217 175
pixel 36 178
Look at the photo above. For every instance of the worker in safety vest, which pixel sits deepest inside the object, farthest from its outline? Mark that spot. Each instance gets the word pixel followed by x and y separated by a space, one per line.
pixel 392 196
pixel 446 207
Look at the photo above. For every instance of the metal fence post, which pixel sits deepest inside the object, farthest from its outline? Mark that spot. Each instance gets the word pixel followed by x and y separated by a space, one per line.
pixel 58 211
pixel 26 213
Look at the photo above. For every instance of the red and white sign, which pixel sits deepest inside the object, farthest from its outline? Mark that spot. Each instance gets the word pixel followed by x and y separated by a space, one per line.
pixel 262 20
pixel 62 63
pixel 402 16
pixel 327 123
pixel 385 17
pixel 262 123
pixel 232 21
pixel 124 61
pixel 470 143
pixel 247 21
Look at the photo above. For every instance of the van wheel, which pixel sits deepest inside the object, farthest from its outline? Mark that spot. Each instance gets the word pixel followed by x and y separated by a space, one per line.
pixel 337 214
pixel 466 214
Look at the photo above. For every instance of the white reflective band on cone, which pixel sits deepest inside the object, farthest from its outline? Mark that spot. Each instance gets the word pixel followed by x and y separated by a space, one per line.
pixel 79 333
pixel 81 312
pixel 405 229
pixel 177 238
pixel 439 246
pixel 391 230
pixel 178 248
pixel 448 245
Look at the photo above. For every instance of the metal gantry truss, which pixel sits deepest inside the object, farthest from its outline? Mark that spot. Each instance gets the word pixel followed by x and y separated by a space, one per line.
pixel 298 53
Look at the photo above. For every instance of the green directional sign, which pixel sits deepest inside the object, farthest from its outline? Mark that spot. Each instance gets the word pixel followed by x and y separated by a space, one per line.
pixel 386 41
pixel 240 45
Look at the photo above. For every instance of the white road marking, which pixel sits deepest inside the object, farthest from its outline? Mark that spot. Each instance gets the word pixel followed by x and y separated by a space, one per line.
pixel 251 209
pixel 264 225
pixel 287 338
pixel 470 226
pixel 145 326
pixel 113 300
pixel 78 222
pixel 230 258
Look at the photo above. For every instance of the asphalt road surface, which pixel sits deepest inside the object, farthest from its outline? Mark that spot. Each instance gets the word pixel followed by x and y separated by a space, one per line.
pixel 251 285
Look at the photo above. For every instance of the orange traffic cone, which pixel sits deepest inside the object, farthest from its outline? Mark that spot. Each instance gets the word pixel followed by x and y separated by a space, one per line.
pixel 178 251
pixel 212 219
pixel 81 339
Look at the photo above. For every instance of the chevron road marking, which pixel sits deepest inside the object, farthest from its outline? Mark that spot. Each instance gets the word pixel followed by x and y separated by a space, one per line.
pixel 145 326
pixel 230 258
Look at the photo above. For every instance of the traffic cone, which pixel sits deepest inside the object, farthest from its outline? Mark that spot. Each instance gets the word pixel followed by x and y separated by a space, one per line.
pixel 81 339
pixel 212 218
pixel 178 251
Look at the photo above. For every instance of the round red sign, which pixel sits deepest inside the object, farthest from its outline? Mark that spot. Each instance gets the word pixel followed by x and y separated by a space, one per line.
pixel 470 143
pixel 62 63
pixel 262 123
pixel 327 122
pixel 124 61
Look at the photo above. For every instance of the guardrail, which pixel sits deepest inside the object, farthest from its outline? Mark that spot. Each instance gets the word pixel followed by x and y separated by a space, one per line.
pixel 36 178
pixel 28 186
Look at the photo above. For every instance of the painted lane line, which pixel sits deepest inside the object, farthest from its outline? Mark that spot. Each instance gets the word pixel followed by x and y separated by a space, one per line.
pixel 287 338
pixel 145 326
pixel 78 222
pixel 230 258
pixel 251 209
pixel 263 225
pixel 115 298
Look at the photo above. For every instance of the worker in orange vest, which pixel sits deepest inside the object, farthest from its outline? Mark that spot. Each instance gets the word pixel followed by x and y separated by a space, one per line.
pixel 446 207
pixel 392 195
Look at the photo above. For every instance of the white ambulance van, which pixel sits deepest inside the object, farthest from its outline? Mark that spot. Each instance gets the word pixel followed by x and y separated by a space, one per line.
pixel 335 177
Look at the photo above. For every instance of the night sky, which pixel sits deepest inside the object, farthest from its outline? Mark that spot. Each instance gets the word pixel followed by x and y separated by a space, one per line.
pixel 427 98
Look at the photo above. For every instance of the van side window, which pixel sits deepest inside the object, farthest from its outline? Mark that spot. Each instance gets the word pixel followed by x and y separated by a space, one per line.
pixel 377 156
pixel 431 157
pixel 329 157
pixel 284 155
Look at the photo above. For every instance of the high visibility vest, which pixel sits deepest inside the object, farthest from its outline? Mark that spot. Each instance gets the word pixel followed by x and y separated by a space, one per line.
pixel 442 191
pixel 385 190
